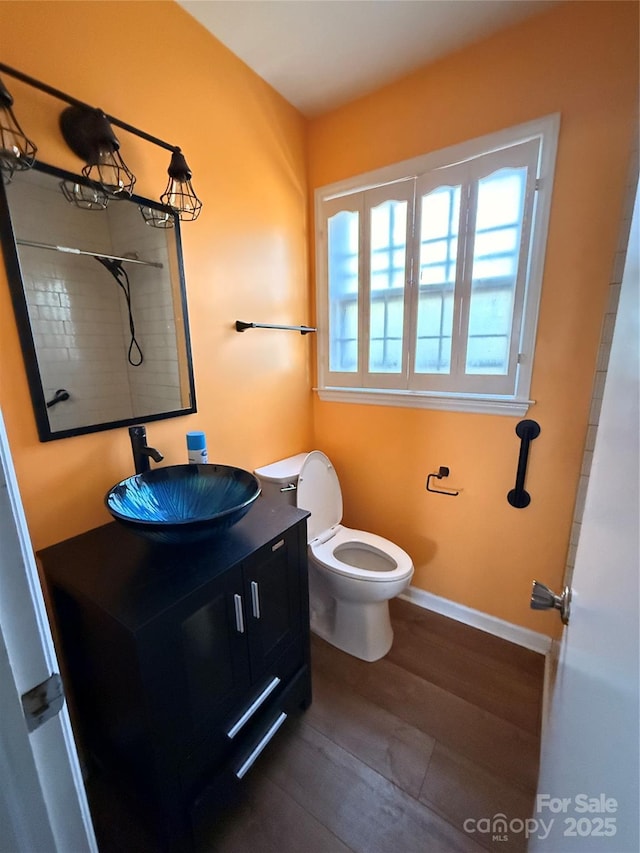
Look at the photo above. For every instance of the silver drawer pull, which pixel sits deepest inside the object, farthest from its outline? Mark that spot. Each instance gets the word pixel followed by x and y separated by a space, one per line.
pixel 278 544
pixel 255 599
pixel 237 603
pixel 253 707
pixel 265 740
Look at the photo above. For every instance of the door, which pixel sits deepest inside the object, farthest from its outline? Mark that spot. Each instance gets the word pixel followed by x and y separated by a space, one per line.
pixel 588 786
pixel 42 800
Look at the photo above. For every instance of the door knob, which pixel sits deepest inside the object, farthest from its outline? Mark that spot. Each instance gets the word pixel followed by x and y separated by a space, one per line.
pixel 543 598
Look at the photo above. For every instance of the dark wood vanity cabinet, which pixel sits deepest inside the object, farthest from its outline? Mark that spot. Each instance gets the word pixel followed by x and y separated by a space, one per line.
pixel 183 661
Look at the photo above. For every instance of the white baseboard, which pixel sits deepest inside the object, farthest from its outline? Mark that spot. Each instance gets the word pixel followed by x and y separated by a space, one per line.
pixel 476 619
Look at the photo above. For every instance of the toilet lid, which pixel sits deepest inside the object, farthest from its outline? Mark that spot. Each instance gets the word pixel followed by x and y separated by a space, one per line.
pixel 319 493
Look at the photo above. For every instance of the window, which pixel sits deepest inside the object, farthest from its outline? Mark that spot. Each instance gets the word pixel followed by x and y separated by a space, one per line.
pixel 429 275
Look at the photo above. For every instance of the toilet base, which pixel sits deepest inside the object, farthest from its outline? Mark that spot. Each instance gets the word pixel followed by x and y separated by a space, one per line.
pixel 361 630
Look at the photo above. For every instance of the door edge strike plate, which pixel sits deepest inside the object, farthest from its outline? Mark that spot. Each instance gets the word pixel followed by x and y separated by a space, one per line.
pixel 543 598
pixel 43 701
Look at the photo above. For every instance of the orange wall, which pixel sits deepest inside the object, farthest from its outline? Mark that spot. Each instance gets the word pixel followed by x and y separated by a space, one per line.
pixel 579 59
pixel 245 258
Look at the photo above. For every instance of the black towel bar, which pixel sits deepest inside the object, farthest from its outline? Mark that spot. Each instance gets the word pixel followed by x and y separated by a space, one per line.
pixel 304 330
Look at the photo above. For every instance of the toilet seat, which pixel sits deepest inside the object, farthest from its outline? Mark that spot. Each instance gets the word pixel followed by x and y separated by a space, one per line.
pixel 320 494
pixel 355 554
pixel 369 548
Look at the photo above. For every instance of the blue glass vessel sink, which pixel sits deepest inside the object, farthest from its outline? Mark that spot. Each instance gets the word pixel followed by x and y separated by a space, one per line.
pixel 183 503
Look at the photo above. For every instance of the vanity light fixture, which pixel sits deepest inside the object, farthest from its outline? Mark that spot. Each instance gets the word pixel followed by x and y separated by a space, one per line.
pixel 17 152
pixel 89 133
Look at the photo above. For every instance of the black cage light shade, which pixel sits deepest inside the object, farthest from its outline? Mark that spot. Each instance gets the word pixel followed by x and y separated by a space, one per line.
pixel 85 197
pixel 157 217
pixel 179 194
pixel 17 151
pixel 89 134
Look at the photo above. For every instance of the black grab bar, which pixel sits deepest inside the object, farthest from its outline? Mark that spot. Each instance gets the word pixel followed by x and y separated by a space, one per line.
pixel 527 431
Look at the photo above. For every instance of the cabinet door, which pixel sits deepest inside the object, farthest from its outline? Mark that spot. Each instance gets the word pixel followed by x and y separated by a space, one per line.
pixel 214 649
pixel 272 591
pixel 197 658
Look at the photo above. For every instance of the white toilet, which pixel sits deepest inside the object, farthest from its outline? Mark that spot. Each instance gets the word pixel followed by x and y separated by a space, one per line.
pixel 352 574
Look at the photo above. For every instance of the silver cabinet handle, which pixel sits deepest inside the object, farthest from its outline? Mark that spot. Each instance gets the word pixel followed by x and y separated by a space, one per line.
pixel 253 707
pixel 237 603
pixel 255 599
pixel 240 772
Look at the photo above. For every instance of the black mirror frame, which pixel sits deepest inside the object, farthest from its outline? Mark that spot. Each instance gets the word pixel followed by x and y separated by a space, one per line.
pixel 29 353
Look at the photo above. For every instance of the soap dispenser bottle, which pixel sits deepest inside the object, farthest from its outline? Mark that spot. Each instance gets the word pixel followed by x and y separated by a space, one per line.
pixel 197 448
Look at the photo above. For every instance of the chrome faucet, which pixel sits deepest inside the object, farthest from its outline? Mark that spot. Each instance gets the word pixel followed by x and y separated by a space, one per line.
pixel 141 452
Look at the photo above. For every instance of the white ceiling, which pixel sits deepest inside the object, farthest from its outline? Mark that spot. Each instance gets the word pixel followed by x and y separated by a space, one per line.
pixel 320 54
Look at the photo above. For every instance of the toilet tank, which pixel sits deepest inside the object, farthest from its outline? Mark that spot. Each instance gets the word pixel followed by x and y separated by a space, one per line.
pixel 279 480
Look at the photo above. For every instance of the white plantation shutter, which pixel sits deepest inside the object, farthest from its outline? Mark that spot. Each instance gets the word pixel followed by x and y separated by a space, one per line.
pixel 428 286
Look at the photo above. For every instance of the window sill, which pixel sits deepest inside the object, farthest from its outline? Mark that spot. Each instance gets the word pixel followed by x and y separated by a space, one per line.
pixel 472 403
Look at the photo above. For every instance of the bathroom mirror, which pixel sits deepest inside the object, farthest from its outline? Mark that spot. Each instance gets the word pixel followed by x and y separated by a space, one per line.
pixel 100 304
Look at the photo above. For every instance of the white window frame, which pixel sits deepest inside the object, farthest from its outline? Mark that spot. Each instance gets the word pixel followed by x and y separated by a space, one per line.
pixel 485 394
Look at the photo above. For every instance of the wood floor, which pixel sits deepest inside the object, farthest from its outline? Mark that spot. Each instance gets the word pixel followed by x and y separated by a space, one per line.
pixel 392 756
